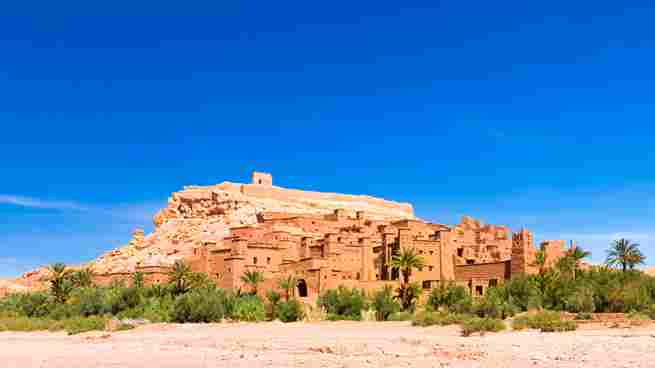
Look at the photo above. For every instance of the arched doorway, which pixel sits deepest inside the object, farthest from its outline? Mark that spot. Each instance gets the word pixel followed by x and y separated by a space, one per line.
pixel 302 288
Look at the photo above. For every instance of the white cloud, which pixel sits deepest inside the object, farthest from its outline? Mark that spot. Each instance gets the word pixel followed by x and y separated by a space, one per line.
pixel 30 202
pixel 13 267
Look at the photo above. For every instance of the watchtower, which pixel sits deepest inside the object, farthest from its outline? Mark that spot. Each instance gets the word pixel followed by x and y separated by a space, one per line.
pixel 260 178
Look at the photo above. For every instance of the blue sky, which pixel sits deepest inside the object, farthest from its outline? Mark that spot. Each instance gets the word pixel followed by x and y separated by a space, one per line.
pixel 525 114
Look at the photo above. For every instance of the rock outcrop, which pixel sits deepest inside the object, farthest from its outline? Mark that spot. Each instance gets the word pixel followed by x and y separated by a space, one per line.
pixel 197 215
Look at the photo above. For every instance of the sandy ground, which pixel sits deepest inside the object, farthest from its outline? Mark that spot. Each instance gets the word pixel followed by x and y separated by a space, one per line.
pixel 327 344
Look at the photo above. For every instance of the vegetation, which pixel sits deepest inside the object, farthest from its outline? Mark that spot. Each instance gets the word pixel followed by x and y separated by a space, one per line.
pixel 481 325
pixel 625 254
pixel 405 262
pixel 343 303
pixel 253 279
pixel 288 284
pixel 546 321
pixel 72 303
pixel 290 311
pixel 179 276
pixel 384 304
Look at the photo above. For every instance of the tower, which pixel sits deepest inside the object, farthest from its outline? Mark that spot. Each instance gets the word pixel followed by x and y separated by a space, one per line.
pixel 523 253
pixel 260 178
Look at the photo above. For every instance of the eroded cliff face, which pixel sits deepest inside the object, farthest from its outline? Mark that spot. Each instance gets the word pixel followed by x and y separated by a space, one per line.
pixel 197 215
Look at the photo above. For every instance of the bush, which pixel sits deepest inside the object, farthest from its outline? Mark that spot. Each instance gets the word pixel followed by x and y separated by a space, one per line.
pixel 25 324
pixel 401 316
pixel 495 304
pixel 584 316
pixel 90 301
pixel 455 298
pixel 546 321
pixel 523 293
pixel 290 311
pixel 249 308
pixel 343 303
pixel 582 300
pixel 481 325
pixel 638 318
pixel 273 300
pixel 202 305
pixel 431 318
pixel 79 325
pixel 384 304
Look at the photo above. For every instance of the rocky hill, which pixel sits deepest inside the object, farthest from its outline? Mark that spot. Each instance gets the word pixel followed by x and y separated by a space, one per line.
pixel 197 215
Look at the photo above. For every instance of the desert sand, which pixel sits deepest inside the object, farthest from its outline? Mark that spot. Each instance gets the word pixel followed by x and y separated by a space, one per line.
pixel 326 344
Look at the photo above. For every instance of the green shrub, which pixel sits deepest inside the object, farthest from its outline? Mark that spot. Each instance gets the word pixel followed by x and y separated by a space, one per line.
pixel 547 321
pixel 638 318
pixel 454 298
pixel 90 301
pixel 25 324
pixel 523 292
pixel 249 308
pixel 290 311
pixel 201 305
pixel 60 312
pixel 495 304
pixel 79 325
pixel 584 316
pixel 482 325
pixel 273 300
pixel 582 300
pixel 431 318
pixel 343 303
pixel 401 316
pixel 384 303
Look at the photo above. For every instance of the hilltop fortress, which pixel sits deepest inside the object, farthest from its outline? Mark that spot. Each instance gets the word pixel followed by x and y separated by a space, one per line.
pixel 323 239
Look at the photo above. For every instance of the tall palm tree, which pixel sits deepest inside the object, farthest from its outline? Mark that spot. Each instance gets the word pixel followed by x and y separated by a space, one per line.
pixel 179 275
pixel 406 261
pixel 288 284
pixel 577 254
pixel 625 253
pixel 60 284
pixel 252 278
pixel 539 261
pixel 138 280
pixel 83 278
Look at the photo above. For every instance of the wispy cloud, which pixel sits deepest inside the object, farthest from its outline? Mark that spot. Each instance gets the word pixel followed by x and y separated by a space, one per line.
pixel 12 267
pixel 31 202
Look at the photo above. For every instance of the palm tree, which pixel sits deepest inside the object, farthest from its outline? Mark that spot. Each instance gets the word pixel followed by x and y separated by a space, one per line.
pixel 539 261
pixel 406 261
pixel 625 253
pixel 60 284
pixel 83 278
pixel 288 284
pixel 252 278
pixel 178 276
pixel 137 280
pixel 577 254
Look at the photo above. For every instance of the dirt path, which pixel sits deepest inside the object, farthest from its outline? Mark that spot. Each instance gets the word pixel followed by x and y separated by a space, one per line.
pixel 335 344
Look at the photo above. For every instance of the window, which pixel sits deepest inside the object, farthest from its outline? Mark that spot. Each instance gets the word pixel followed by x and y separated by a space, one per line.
pixel 427 284
pixel 479 290
pixel 430 268
pixel 460 252
pixel 254 260
pixel 431 252
pixel 268 260
pixel 493 283
pixel 470 261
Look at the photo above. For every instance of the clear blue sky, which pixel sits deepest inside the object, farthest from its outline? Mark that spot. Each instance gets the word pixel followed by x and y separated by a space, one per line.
pixel 536 114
